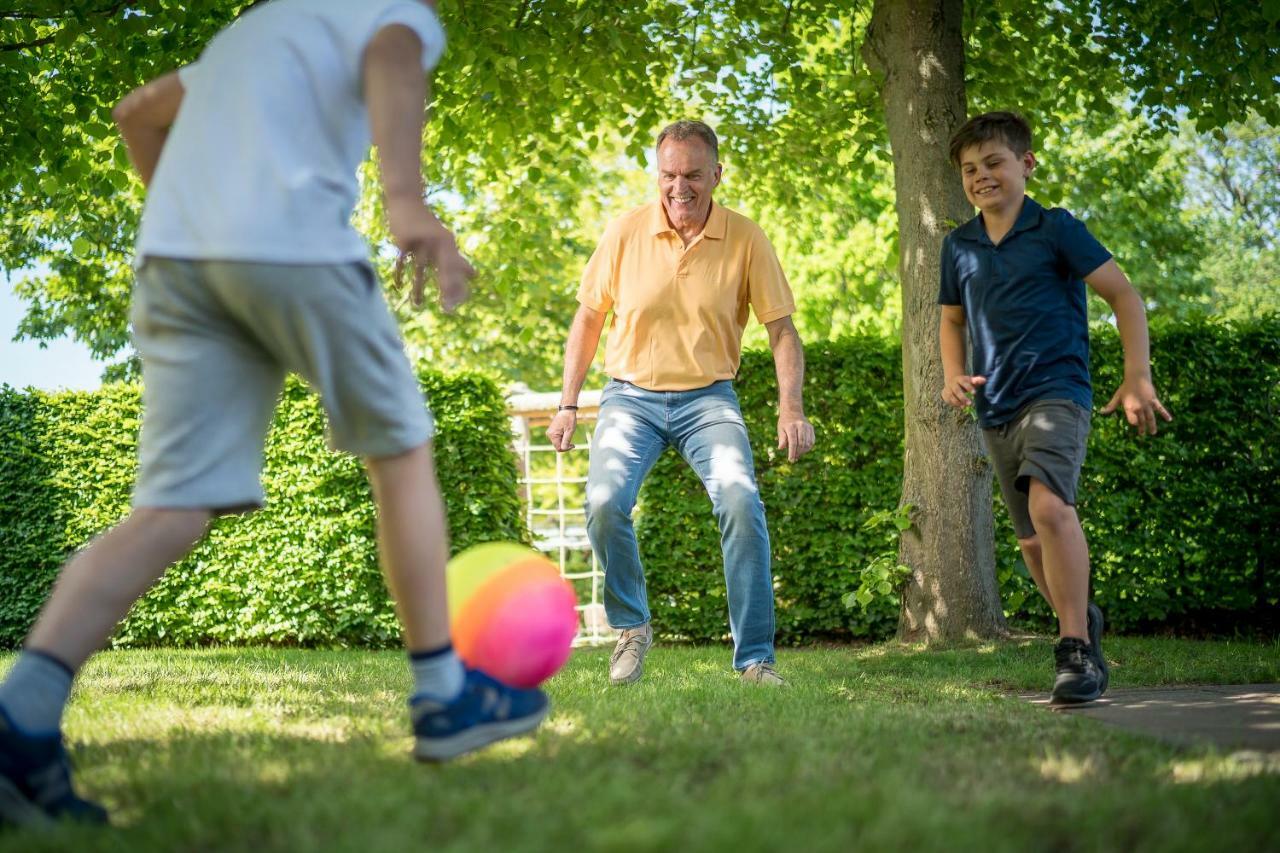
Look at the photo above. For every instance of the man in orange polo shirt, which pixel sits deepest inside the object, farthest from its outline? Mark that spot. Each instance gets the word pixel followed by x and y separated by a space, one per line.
pixel 680 276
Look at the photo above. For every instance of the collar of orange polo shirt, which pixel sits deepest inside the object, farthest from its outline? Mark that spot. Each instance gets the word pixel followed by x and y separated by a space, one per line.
pixel 679 311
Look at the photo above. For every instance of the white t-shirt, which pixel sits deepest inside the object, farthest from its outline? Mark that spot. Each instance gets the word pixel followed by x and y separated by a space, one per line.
pixel 260 164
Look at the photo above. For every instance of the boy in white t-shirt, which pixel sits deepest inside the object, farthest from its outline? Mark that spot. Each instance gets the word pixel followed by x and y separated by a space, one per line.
pixel 248 268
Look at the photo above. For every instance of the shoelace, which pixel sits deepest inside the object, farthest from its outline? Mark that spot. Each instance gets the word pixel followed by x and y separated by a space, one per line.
pixel 631 644
pixel 1072 656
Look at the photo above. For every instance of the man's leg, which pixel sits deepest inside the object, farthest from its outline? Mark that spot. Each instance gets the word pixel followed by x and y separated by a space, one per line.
pixel 716 446
pixel 624 448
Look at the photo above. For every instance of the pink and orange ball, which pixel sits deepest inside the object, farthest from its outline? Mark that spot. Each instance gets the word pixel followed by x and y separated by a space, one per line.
pixel 510 613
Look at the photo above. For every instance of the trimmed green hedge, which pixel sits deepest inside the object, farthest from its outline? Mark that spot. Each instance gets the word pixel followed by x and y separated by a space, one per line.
pixel 1179 524
pixel 302 571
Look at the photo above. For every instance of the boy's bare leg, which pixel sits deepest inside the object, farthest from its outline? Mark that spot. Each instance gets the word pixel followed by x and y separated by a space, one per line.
pixel 1033 556
pixel 1065 559
pixel 414 544
pixel 98 585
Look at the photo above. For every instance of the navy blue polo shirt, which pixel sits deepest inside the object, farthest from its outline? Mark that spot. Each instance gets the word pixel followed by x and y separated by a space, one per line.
pixel 1024 305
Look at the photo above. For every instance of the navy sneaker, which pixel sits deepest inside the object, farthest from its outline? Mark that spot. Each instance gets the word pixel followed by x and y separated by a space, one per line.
pixel 1095 643
pixel 485 712
pixel 35 781
pixel 1078 678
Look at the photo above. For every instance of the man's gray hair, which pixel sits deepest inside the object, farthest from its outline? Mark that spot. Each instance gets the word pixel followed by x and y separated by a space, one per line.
pixel 684 129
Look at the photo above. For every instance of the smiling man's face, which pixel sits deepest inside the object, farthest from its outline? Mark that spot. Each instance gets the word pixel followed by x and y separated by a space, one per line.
pixel 687 175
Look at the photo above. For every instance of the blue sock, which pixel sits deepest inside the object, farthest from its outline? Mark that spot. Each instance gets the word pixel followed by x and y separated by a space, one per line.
pixel 437 674
pixel 35 692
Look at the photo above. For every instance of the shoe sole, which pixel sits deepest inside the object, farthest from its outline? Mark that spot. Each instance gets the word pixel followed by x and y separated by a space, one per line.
pixel 476 737
pixel 17 810
pixel 1095 640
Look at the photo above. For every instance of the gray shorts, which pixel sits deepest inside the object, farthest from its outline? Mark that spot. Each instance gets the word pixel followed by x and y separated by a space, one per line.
pixel 217 339
pixel 1045 440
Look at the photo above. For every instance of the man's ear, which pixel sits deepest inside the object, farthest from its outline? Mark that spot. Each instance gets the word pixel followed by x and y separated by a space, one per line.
pixel 719 175
pixel 1029 163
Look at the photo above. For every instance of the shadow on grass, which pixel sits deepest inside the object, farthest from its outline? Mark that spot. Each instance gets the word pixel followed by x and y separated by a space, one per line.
pixel 868 749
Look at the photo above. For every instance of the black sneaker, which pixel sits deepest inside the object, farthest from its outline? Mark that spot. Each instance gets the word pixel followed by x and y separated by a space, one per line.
pixel 1095 643
pixel 1078 677
pixel 35 781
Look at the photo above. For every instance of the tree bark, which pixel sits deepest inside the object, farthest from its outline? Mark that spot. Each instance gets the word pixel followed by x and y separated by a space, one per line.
pixel 918 47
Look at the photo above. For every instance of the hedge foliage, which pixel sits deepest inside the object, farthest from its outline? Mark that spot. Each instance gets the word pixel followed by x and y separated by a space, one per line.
pixel 1180 523
pixel 302 571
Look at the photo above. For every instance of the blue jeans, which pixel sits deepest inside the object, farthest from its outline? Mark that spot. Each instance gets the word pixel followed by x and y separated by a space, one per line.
pixel 705 426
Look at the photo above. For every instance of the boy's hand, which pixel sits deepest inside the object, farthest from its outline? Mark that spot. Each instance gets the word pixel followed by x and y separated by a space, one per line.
pixel 956 390
pixel 1138 398
pixel 424 242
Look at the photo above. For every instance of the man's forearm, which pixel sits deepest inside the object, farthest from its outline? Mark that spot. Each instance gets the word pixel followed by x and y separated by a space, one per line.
pixel 584 337
pixel 788 363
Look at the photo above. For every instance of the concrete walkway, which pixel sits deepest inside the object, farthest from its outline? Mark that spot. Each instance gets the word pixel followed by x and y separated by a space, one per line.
pixel 1245 716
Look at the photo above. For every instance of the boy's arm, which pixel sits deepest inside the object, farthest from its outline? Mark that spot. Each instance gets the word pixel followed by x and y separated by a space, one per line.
pixel 395 91
pixel 144 117
pixel 1136 393
pixel 956 385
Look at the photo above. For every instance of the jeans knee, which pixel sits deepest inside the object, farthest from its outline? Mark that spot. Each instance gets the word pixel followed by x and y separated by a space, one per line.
pixel 739 507
pixel 606 513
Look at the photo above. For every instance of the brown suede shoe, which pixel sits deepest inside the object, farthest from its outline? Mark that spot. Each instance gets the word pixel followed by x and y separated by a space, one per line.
pixel 627 663
pixel 762 673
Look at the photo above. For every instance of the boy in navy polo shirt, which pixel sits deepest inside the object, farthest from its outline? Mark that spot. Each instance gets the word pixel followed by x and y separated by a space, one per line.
pixel 1014 277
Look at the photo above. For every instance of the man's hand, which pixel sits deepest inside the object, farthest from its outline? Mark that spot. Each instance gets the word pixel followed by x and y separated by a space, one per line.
pixel 424 242
pixel 560 431
pixel 795 435
pixel 956 390
pixel 1138 399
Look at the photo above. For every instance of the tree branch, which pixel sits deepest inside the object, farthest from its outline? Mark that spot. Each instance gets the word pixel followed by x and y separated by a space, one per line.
pixel 26 44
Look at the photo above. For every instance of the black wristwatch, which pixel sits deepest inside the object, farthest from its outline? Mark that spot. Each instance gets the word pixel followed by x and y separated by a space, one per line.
pixel 566 408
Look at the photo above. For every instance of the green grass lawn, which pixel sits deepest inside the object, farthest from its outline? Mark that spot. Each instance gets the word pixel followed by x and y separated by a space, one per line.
pixel 871 748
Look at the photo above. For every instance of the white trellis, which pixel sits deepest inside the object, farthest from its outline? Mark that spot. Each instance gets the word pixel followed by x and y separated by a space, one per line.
pixel 553 490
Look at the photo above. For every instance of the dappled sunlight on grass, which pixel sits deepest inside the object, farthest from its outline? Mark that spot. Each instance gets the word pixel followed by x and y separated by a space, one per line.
pixel 1231 767
pixel 1066 768
pixel 870 747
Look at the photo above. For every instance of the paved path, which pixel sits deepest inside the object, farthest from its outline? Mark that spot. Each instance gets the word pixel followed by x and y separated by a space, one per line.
pixel 1245 716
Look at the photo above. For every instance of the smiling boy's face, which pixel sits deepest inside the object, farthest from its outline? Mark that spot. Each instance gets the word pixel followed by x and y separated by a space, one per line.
pixel 995 178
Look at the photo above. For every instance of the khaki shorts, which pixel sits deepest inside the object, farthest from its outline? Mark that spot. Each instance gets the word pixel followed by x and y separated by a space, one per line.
pixel 1045 440
pixel 217 339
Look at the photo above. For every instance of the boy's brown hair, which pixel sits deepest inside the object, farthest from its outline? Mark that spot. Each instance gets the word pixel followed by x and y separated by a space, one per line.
pixel 1009 128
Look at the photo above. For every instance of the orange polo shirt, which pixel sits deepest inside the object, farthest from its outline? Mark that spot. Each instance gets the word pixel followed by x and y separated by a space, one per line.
pixel 679 312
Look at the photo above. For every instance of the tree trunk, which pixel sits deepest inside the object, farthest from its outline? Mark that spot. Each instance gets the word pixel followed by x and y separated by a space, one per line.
pixel 918 47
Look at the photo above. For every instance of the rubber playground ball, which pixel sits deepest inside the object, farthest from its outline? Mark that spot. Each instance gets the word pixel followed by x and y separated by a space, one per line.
pixel 510 613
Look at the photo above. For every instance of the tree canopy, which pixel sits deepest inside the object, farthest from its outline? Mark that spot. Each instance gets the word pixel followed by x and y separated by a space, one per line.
pixel 544 112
